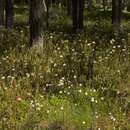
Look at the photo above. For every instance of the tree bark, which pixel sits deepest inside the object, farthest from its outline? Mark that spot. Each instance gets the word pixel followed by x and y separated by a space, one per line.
pixel 37 18
pixel 80 14
pixel 77 14
pixel 116 12
pixel 9 14
pixel 1 12
pixel 47 13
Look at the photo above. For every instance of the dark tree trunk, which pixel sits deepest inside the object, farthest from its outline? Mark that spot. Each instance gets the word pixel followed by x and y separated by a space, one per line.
pixel 1 12
pixel 9 14
pixel 47 13
pixel 80 14
pixel 37 20
pixel 116 12
pixel 77 13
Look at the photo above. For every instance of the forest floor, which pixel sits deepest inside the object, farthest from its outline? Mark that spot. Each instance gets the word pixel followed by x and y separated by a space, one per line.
pixel 76 82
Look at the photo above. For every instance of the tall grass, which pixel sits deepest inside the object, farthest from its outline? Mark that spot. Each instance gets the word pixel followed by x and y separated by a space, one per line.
pixel 49 88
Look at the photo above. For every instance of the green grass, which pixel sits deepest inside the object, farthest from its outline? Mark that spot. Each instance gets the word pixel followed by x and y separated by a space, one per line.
pixel 43 89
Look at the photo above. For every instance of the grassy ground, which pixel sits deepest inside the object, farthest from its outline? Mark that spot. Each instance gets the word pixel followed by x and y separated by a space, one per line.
pixel 49 89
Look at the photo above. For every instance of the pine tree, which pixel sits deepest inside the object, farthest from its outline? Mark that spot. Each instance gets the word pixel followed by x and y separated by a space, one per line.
pixel 1 12
pixel 9 14
pixel 77 13
pixel 37 19
pixel 116 13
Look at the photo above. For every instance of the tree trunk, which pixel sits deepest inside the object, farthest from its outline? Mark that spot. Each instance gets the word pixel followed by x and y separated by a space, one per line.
pixel 77 13
pixel 9 14
pixel 38 11
pixel 47 13
pixel 80 14
pixel 116 13
pixel 1 12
